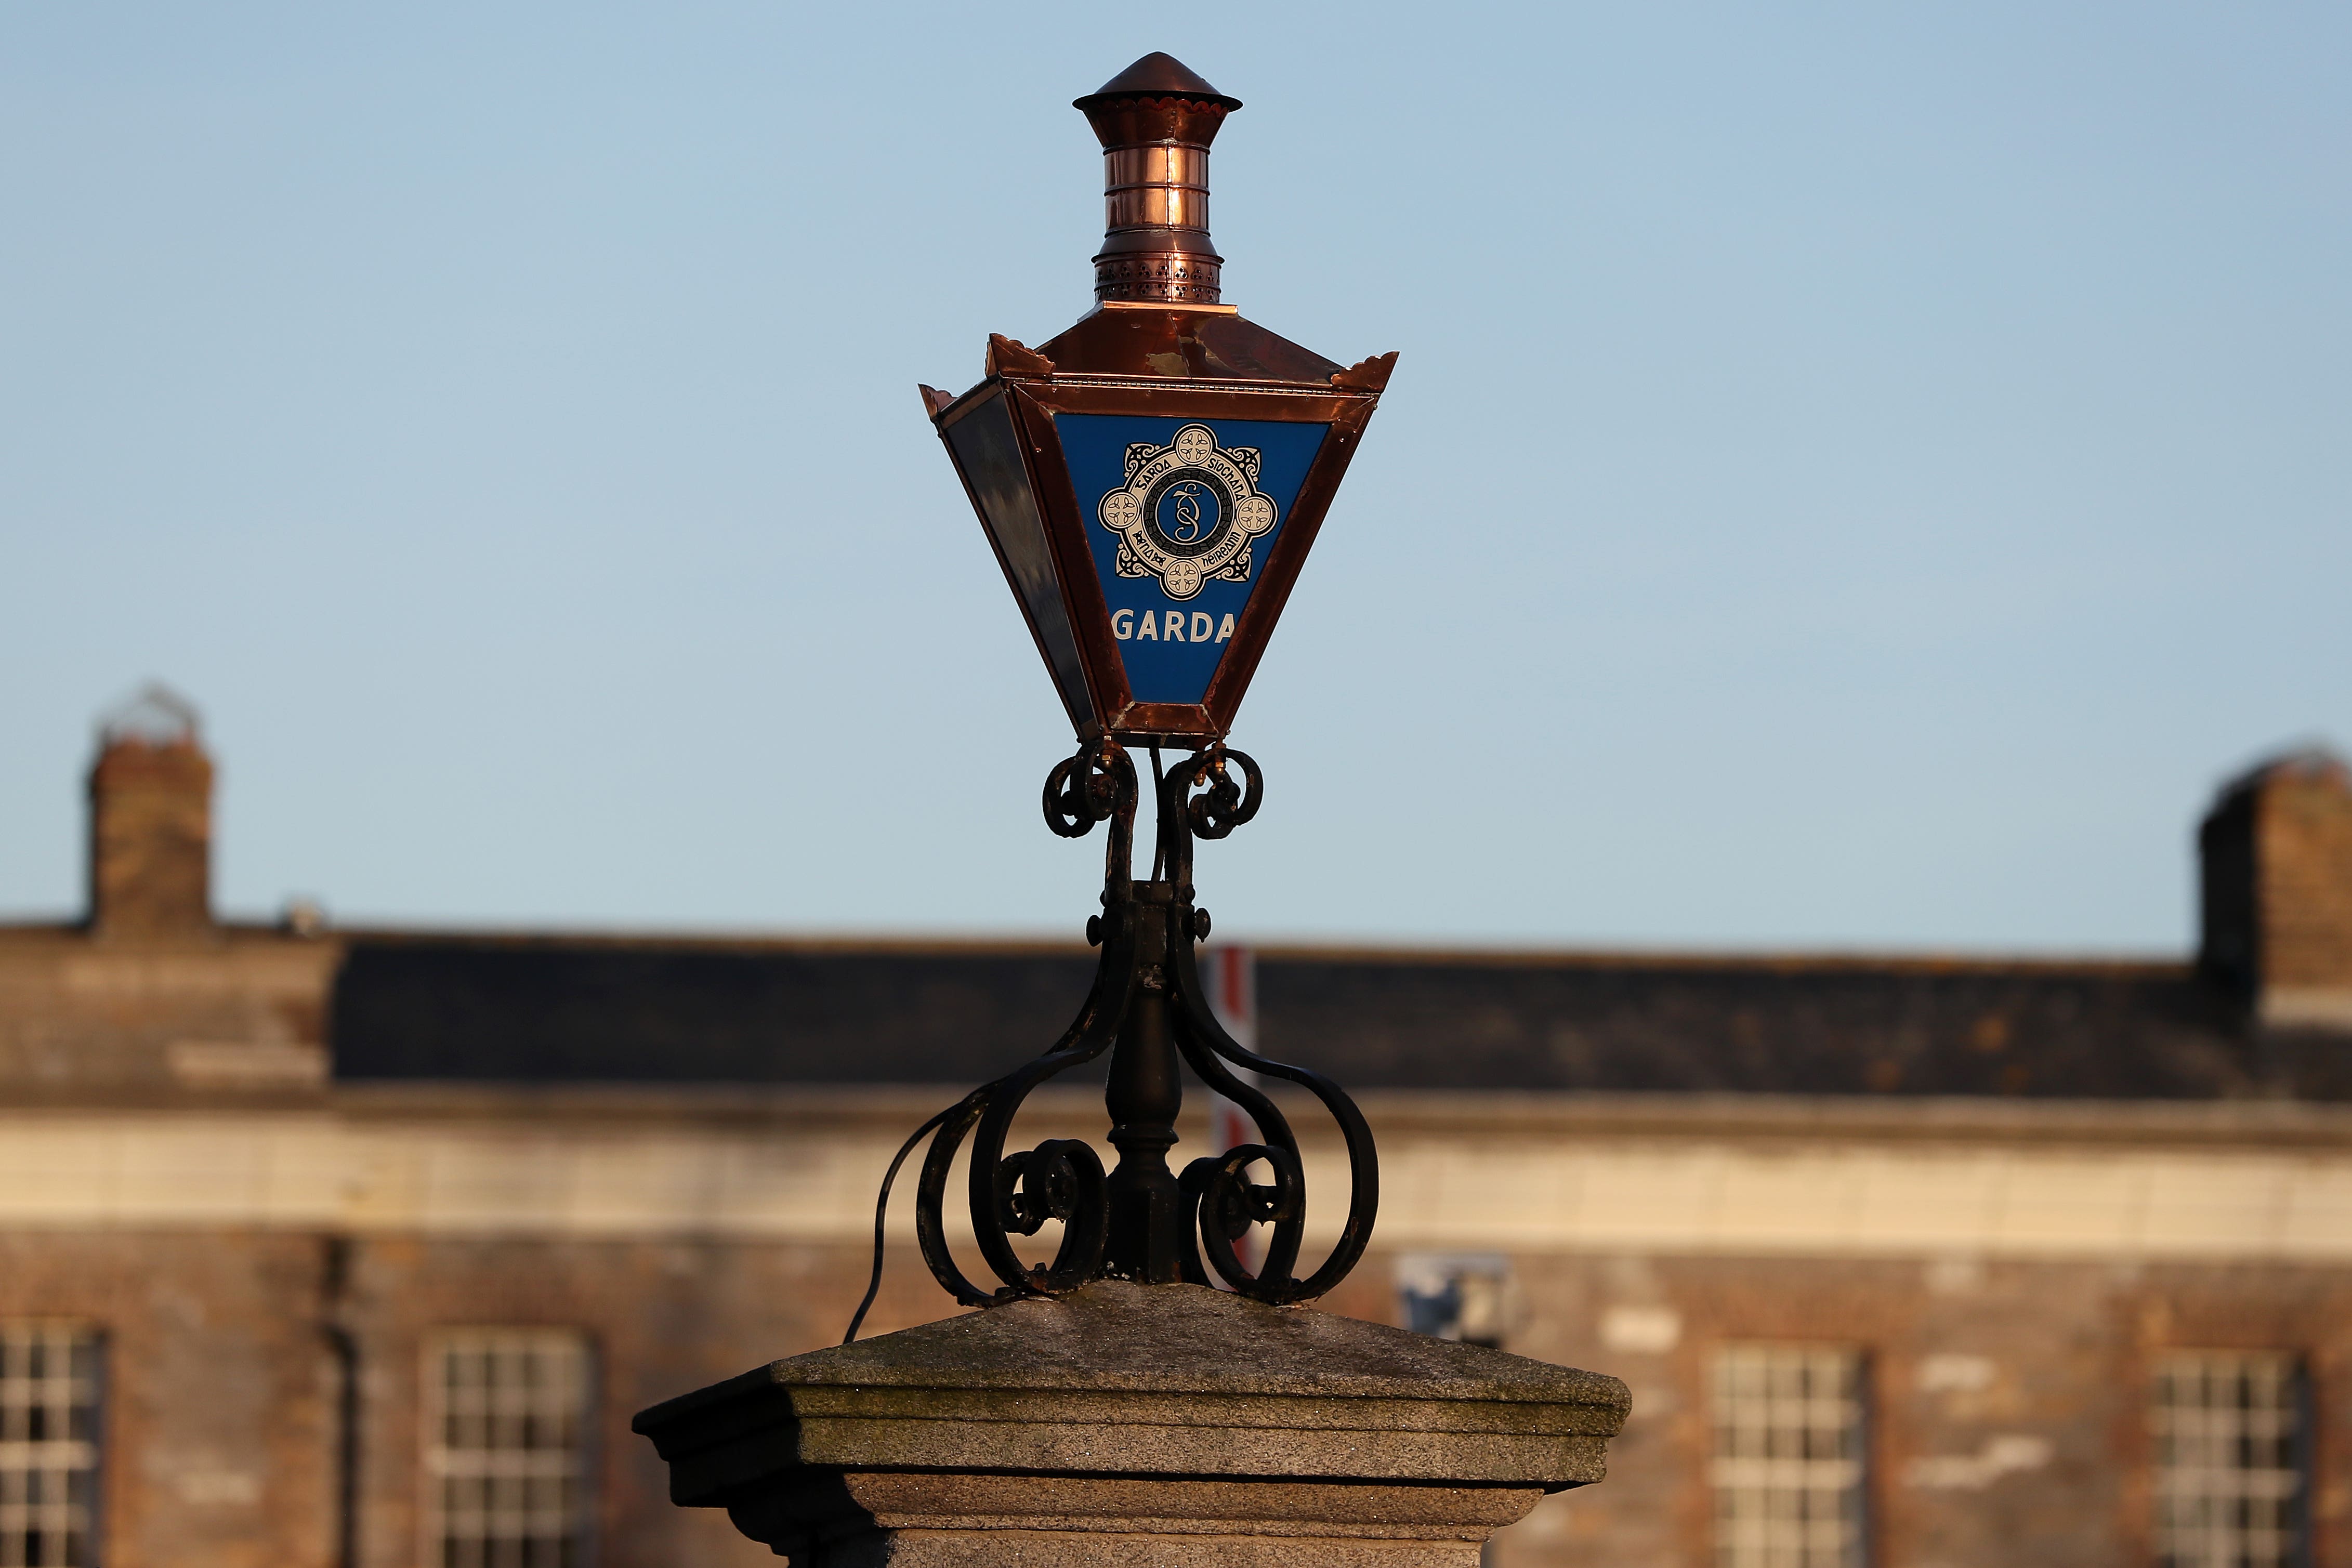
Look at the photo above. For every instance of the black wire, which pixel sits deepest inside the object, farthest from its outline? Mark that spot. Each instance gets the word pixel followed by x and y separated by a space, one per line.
pixel 881 1207
pixel 1160 804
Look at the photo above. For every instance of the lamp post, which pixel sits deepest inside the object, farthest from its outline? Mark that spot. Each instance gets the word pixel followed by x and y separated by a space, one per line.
pixel 1152 481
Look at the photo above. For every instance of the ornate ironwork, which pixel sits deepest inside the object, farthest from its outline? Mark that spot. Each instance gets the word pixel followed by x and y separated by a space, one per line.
pixel 1149 1011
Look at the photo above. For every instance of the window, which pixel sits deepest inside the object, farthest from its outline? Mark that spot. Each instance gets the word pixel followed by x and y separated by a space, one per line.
pixel 48 1446
pixel 1789 1446
pixel 1456 1296
pixel 2229 1461
pixel 505 1458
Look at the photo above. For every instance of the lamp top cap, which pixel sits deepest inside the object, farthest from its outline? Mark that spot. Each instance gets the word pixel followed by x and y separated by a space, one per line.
pixel 1156 75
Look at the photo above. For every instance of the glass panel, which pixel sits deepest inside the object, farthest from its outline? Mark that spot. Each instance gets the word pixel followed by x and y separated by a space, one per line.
pixel 1181 513
pixel 988 454
pixel 507 1476
pixel 49 1450
pixel 1789 1454
pixel 2230 1485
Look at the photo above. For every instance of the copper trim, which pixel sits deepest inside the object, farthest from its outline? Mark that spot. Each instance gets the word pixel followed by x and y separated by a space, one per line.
pixel 1117 712
pixel 1166 305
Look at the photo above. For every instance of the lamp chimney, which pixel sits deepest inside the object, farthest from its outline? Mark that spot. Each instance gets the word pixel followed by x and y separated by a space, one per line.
pixel 1155 120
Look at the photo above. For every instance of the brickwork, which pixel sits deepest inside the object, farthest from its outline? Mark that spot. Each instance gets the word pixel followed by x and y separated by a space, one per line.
pixel 151 832
pixel 151 1000
pixel 221 1440
pixel 662 1317
pixel 238 1017
pixel 2007 1399
pixel 2277 891
pixel 2305 852
pixel 217 1412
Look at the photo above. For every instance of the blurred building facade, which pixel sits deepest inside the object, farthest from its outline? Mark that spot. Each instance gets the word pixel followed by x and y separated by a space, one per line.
pixel 357 1249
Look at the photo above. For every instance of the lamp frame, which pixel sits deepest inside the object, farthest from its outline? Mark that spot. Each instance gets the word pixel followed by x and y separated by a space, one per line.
pixel 1034 391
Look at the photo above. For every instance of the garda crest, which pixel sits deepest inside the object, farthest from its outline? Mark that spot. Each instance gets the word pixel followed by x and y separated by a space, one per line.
pixel 1188 512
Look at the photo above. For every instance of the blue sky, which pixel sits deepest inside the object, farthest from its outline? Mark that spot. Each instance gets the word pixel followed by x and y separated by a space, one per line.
pixel 1856 477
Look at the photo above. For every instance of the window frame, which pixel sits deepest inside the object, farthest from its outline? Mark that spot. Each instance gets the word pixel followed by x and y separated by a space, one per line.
pixel 77 1333
pixel 433 1450
pixel 1859 1436
pixel 2298 1442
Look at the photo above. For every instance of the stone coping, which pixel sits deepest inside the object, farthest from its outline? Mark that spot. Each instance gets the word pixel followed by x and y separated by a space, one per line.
pixel 1167 1381
pixel 1117 1337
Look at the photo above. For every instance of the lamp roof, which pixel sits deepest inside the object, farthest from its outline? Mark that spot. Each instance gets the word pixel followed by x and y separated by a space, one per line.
pixel 1156 75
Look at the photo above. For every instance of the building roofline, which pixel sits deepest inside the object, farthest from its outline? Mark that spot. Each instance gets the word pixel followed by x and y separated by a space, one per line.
pixel 945 945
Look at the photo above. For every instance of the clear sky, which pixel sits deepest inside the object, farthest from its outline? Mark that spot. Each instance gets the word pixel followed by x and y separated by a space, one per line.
pixel 1857 475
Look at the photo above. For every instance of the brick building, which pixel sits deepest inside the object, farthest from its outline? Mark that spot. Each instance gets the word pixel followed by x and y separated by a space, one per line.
pixel 340 1249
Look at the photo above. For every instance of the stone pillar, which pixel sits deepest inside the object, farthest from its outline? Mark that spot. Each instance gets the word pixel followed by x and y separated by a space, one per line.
pixel 1161 1424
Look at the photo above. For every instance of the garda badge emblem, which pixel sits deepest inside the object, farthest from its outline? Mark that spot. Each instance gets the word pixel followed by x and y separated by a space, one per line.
pixel 1188 512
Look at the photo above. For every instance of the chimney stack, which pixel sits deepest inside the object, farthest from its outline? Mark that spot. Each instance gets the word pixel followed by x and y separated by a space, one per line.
pixel 2276 858
pixel 150 822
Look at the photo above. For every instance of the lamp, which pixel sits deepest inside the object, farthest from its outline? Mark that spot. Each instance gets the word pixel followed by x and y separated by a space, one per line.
pixel 1152 480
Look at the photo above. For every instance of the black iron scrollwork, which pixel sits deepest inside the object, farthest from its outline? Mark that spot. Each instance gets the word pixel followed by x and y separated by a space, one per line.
pixel 1149 1009
pixel 1221 805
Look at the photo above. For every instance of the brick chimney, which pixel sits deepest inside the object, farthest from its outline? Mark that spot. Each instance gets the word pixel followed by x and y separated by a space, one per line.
pixel 150 822
pixel 2276 857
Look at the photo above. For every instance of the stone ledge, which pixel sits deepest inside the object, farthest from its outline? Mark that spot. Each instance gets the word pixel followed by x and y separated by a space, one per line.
pixel 865 1518
pixel 1050 1549
pixel 1168 1339
pixel 1170 1426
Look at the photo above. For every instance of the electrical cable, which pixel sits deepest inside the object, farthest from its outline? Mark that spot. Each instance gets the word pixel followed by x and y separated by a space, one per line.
pixel 882 1208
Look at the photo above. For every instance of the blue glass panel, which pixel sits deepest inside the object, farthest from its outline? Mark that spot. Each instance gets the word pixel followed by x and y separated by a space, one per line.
pixel 1180 515
pixel 988 453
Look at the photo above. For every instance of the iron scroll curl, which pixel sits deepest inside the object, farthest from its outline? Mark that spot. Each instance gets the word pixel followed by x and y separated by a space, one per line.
pixel 1148 997
pixel 1202 798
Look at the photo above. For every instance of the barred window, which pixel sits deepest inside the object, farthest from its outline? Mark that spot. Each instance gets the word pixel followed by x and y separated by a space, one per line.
pixel 1789 1456
pixel 48 1444
pixel 2229 1463
pixel 506 1459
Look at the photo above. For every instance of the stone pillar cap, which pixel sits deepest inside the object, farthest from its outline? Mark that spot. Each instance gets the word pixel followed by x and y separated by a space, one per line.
pixel 1129 1379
